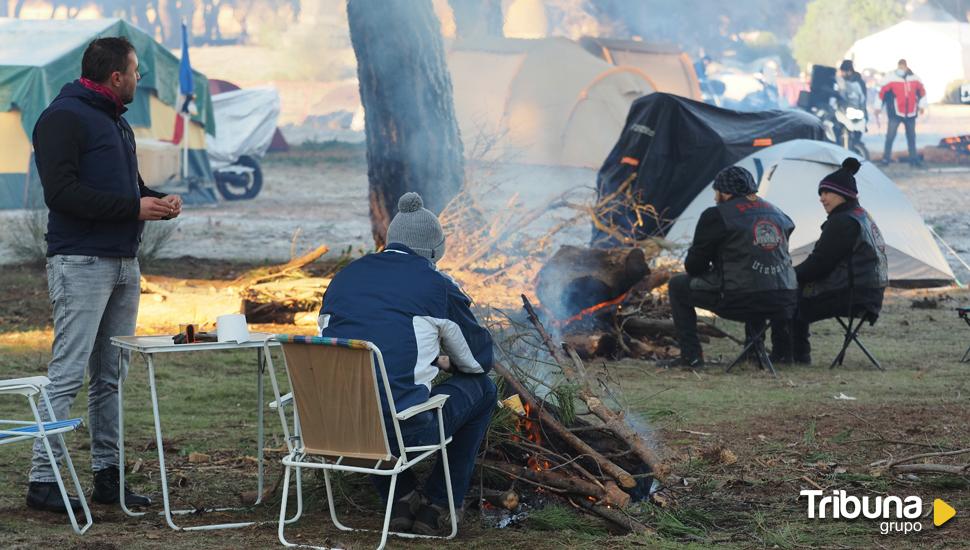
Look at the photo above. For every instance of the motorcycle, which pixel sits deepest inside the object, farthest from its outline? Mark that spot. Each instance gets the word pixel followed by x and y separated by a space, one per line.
pixel 245 124
pixel 844 124
pixel 240 180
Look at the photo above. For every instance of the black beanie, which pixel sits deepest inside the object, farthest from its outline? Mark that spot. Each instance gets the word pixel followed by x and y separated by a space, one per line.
pixel 842 181
pixel 735 180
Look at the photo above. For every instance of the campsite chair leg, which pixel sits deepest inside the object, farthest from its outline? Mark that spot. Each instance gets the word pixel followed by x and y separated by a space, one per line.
pixel 444 466
pixel 966 356
pixel 271 371
pixel 57 472
pixel 387 512
pixel 759 350
pixel 874 361
pixel 286 492
pixel 845 342
pixel 333 509
pixel 763 360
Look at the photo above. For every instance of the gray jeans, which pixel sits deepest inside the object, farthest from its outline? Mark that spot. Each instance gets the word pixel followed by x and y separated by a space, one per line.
pixel 94 298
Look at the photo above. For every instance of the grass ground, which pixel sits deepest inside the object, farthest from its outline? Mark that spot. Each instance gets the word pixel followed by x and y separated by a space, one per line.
pixel 743 444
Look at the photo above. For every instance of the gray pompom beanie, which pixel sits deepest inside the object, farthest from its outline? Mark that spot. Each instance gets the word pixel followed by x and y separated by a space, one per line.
pixel 417 228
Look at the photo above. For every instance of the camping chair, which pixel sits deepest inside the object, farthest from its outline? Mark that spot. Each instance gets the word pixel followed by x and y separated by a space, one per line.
pixel 851 328
pixel 756 344
pixel 341 424
pixel 964 313
pixel 38 429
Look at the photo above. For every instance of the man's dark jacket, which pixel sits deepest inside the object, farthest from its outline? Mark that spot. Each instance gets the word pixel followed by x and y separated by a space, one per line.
pixel 85 154
pixel 740 251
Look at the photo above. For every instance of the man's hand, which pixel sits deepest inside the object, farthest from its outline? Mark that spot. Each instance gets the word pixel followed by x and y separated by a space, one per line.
pixel 154 209
pixel 444 363
pixel 922 112
pixel 175 202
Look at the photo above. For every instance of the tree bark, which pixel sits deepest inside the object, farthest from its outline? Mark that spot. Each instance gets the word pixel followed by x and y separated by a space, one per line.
pixel 412 135
pixel 477 18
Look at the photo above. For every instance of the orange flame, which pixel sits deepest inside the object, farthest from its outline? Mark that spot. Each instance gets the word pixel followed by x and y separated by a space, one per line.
pixel 590 310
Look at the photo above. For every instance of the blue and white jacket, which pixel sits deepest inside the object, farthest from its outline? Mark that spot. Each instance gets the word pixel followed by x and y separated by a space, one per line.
pixel 413 313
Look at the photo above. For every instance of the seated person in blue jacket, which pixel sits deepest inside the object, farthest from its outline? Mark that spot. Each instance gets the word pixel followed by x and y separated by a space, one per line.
pixel 738 265
pixel 423 324
pixel 847 265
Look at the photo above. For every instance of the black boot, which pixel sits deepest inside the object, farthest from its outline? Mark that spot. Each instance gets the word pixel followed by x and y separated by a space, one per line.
pixel 402 512
pixel 689 361
pixel 106 483
pixel 46 496
pixel 432 520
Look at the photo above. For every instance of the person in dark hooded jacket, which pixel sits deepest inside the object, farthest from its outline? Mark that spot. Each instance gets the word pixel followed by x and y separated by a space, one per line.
pixel 847 266
pixel 738 265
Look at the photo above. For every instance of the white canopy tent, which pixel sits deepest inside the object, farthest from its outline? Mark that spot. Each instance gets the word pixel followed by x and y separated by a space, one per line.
pixel 938 52
pixel 789 174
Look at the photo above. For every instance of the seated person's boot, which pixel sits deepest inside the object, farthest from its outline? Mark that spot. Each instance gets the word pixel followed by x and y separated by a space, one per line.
pixel 106 484
pixel 403 511
pixel 432 520
pixel 689 361
pixel 46 496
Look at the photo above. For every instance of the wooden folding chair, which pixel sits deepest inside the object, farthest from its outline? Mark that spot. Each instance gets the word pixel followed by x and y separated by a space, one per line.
pixel 12 431
pixel 341 424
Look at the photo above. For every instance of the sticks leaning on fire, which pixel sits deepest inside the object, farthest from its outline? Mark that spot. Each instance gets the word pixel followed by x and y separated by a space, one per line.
pixel 577 375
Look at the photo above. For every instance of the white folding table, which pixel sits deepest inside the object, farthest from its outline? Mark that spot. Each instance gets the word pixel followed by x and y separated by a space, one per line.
pixel 148 346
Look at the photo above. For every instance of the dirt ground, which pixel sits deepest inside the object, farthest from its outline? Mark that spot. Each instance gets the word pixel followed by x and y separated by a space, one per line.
pixel 741 445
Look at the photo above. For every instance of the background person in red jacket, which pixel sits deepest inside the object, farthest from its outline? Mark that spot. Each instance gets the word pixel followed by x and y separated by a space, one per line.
pixel 904 98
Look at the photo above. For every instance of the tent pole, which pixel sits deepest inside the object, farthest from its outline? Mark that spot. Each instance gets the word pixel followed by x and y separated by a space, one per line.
pixel 185 145
pixel 951 251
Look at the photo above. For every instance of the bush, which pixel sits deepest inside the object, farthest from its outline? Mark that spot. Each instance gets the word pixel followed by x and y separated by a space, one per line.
pixel 24 235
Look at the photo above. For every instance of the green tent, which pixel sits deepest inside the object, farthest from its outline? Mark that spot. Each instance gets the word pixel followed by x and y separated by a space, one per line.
pixel 37 57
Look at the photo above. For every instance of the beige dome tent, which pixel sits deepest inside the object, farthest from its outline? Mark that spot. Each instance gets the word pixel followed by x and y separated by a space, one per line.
pixel 544 101
pixel 668 69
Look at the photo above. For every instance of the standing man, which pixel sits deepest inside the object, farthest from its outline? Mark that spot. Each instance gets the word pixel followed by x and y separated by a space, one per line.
pixel 904 97
pixel 738 265
pixel 853 85
pixel 85 154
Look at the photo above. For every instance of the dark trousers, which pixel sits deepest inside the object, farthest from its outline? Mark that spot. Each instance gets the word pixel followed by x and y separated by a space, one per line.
pixel 683 300
pixel 791 338
pixel 892 125
pixel 466 413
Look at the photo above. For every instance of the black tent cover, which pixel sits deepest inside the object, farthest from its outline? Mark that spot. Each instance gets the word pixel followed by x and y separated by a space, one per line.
pixel 674 146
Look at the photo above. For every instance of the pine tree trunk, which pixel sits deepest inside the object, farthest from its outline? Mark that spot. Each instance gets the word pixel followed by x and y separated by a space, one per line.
pixel 477 18
pixel 412 135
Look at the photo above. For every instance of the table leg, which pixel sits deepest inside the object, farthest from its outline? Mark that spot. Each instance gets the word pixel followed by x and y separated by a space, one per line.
pixel 122 368
pixel 259 430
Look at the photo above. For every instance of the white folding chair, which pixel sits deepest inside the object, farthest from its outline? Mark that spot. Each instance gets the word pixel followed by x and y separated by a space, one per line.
pixel 341 425
pixel 12 431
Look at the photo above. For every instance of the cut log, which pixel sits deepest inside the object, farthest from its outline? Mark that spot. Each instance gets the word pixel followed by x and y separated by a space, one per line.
pixel 612 495
pixel 608 467
pixel 576 278
pixel 595 344
pixel 641 327
pixel 508 500
pixel 283 301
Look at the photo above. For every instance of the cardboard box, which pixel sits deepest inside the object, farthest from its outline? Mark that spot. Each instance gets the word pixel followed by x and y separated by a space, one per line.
pixel 158 161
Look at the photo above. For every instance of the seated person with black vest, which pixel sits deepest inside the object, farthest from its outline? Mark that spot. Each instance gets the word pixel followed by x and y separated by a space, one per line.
pixel 738 265
pixel 847 266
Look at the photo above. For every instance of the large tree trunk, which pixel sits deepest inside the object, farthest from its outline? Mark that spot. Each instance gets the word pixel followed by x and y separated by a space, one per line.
pixel 412 136
pixel 477 18
pixel 168 20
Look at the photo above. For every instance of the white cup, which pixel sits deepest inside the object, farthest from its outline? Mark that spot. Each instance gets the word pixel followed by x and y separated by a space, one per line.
pixel 232 328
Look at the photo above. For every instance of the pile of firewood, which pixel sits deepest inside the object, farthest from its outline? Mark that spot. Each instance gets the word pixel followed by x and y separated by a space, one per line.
pixel 283 294
pixel 569 444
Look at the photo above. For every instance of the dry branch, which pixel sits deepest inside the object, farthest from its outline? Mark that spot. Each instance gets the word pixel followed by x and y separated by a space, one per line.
pixel 617 517
pixel 612 495
pixel 277 270
pixel 619 474
pixel 576 374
